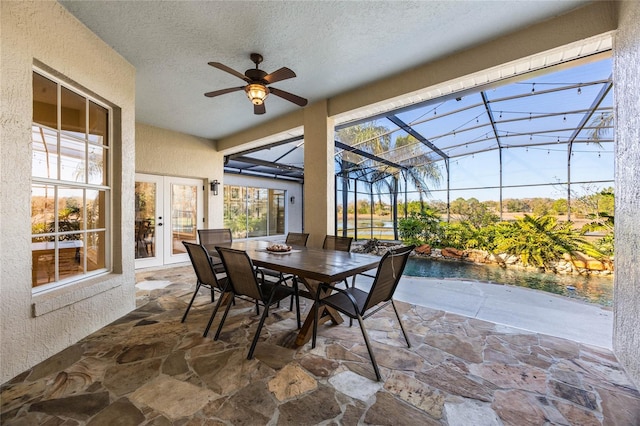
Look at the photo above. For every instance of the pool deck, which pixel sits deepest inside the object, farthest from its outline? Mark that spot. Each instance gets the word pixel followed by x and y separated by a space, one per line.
pixel 513 306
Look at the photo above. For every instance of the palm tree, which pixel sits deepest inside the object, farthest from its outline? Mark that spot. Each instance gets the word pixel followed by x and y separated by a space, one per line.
pixel 602 126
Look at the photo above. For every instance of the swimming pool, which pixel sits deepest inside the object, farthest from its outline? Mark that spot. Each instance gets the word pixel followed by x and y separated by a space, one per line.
pixel 591 288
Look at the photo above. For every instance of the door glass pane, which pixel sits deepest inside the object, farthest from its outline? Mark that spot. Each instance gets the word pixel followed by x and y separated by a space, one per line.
pixel 276 211
pixel 145 219
pixel 184 211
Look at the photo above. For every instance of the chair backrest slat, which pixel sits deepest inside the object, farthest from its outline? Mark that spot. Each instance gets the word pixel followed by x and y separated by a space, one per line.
pixel 332 242
pixel 209 238
pixel 388 276
pixel 202 264
pixel 240 272
pixel 297 239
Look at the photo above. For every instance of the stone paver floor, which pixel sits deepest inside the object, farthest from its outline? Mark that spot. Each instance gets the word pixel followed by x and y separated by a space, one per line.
pixel 147 368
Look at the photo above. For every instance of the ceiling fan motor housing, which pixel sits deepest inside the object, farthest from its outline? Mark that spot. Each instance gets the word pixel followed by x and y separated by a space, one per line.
pixel 255 75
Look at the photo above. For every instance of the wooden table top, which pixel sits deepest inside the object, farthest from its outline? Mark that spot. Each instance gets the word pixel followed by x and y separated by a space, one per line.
pixel 314 263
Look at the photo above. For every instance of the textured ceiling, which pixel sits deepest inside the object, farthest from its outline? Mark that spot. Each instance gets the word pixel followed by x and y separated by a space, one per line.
pixel 333 46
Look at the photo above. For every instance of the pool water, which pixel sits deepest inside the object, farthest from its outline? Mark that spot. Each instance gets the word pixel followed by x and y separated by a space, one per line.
pixel 591 288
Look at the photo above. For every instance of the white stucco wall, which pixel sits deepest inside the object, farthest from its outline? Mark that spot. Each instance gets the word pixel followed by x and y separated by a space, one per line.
pixel 294 189
pixel 626 76
pixel 46 33
pixel 168 153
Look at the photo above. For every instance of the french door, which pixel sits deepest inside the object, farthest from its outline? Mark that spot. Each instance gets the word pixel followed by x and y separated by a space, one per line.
pixel 167 211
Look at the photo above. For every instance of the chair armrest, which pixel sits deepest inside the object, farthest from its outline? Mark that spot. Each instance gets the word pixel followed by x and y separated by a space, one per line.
pixel 339 290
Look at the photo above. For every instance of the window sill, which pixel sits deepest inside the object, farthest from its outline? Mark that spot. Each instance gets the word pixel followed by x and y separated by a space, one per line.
pixel 61 297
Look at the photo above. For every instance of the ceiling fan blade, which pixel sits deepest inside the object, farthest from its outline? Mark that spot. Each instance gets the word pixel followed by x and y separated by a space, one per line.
pixel 259 109
pixel 222 91
pixel 229 70
pixel 288 96
pixel 279 75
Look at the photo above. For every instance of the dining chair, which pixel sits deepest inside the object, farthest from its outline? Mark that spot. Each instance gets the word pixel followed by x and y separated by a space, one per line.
pixel 247 282
pixel 293 239
pixel 359 304
pixel 210 238
pixel 297 239
pixel 205 273
pixel 332 242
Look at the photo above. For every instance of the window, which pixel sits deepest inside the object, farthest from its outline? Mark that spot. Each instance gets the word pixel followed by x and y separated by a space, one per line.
pixel 254 212
pixel 70 192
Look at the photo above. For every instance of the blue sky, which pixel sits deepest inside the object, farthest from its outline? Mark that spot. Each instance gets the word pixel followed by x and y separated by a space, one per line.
pixel 521 121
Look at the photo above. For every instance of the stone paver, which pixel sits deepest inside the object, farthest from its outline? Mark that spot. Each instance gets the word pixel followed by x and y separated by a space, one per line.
pixel 149 368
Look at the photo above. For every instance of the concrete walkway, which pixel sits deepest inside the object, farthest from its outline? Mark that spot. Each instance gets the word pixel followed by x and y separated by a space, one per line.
pixel 514 306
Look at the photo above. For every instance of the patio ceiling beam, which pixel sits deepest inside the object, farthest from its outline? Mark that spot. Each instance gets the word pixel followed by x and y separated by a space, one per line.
pixel 265 163
pixel 594 106
pixel 263 147
pixel 583 122
pixel 404 126
pixel 485 101
pixel 368 155
pixel 247 172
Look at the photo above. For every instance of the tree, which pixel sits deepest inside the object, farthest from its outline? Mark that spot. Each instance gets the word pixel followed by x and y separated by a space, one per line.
pixel 602 126
pixel 560 206
pixel 420 228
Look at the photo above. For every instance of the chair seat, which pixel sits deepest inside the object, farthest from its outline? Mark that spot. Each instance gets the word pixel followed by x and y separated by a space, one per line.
pixel 281 291
pixel 342 303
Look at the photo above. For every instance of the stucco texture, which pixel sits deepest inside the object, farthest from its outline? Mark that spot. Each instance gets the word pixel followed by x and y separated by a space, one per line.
pixel 627 229
pixel 44 33
pixel 169 153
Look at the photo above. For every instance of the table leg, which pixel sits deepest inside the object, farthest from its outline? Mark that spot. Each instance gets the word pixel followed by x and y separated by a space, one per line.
pixel 326 313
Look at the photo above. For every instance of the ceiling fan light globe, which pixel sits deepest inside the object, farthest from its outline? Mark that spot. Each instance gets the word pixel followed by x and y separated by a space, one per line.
pixel 256 93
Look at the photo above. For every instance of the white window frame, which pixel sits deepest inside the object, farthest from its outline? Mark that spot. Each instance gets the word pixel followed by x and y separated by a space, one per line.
pixel 108 188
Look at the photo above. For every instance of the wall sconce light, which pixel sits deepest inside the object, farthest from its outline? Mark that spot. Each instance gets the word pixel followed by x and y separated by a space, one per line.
pixel 292 199
pixel 214 186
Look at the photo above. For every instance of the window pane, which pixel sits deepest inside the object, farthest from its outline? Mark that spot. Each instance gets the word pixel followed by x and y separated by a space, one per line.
pixel 257 212
pixel 96 209
pixel 42 209
pixel 235 210
pixel 96 251
pixel 44 262
pixel 98 129
pixel 72 160
pixel 73 112
pixel 44 161
pixel 68 223
pixel 45 101
pixel 70 210
pixel 70 256
pixel 97 166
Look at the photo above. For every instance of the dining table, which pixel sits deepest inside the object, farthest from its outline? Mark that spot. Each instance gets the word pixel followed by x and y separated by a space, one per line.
pixel 311 266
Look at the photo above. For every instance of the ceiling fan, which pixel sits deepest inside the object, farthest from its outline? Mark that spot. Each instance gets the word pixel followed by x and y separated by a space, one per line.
pixel 258 80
